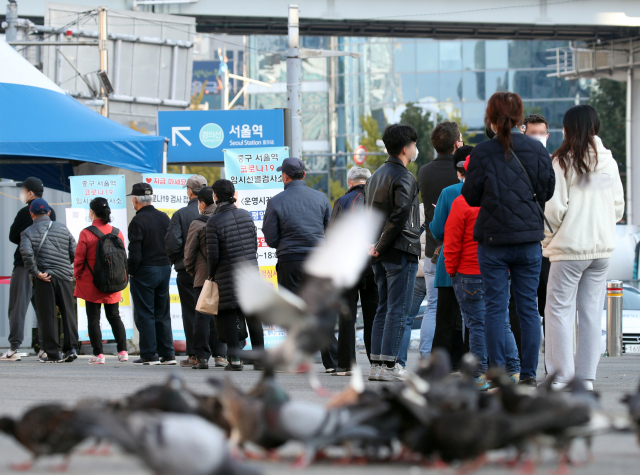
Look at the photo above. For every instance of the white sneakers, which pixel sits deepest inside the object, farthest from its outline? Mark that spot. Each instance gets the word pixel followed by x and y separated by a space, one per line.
pixel 11 355
pixel 123 356
pixel 557 386
pixel 97 359
pixel 384 373
pixel 374 372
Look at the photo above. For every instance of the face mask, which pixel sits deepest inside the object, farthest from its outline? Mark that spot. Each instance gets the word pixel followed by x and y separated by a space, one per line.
pixel 540 138
pixel 415 157
pixel 23 198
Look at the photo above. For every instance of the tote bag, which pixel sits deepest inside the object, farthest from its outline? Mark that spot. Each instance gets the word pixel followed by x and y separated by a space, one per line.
pixel 209 298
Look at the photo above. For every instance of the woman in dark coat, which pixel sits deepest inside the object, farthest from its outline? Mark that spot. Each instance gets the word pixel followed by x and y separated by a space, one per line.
pixel 231 239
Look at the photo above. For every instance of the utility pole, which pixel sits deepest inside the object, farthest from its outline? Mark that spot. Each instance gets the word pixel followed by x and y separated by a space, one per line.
pixel 295 55
pixel 102 46
pixel 11 31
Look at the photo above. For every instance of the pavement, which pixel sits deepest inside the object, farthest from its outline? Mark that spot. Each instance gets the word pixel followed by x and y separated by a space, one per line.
pixel 27 383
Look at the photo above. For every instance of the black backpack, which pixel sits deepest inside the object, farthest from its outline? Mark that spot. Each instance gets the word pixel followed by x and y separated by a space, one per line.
pixel 110 270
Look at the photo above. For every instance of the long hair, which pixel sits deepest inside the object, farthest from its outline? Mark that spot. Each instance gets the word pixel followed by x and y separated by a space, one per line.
pixel 505 111
pixel 580 124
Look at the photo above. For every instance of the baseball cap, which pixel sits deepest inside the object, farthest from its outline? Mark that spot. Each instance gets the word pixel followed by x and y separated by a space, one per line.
pixel 39 206
pixel 291 165
pixel 464 163
pixel 141 189
pixel 195 182
pixel 32 184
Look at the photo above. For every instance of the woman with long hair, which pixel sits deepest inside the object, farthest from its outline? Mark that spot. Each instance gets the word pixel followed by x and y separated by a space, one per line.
pixel 510 178
pixel 587 203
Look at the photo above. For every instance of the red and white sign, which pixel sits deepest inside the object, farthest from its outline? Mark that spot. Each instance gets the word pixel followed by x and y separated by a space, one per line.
pixel 360 155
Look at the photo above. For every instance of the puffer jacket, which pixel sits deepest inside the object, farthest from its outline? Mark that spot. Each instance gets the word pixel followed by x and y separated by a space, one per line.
pixel 195 249
pixel 55 254
pixel 232 239
pixel 393 191
pixel 499 186
pixel 352 199
pixel 176 236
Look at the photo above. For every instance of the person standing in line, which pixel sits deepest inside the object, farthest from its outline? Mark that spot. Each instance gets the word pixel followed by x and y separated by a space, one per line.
pixel 205 337
pixel 20 287
pixel 174 242
pixel 150 272
pixel 510 177
pixel 434 177
pixel 587 203
pixel 448 333
pixel 48 250
pixel 294 224
pixel 366 288
pixel 419 292
pixel 232 239
pixel 84 268
pixel 393 192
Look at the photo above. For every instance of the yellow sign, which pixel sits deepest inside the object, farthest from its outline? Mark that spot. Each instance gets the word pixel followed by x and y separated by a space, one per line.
pixel 125 299
pixel 269 274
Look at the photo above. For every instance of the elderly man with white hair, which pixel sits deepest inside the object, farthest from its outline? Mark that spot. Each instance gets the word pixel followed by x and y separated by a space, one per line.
pixel 367 289
pixel 150 271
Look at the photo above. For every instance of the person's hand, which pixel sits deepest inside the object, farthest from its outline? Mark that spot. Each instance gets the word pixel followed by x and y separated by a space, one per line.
pixel 45 277
pixel 372 251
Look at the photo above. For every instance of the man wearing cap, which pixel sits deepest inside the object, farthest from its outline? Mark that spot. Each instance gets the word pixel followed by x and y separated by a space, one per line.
pixel 294 223
pixel 150 271
pixel 174 242
pixel 48 250
pixel 20 288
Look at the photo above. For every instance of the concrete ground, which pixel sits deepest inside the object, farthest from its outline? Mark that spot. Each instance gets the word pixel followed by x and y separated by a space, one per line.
pixel 26 383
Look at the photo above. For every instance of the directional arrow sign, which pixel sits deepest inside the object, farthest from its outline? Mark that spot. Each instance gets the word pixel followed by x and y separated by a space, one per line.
pixel 176 131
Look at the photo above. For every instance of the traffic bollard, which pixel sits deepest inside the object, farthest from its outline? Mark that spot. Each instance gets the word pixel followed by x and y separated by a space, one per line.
pixel 614 318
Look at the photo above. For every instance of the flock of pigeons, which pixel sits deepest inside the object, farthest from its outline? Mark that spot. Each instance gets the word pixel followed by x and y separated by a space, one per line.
pixel 433 417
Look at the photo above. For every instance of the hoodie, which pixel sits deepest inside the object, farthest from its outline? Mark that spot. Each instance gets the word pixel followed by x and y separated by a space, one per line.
pixel 584 210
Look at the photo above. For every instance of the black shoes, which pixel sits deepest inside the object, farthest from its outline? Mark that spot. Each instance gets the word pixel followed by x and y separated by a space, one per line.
pixel 531 382
pixel 169 360
pixel 258 366
pixel 147 361
pixel 202 363
pixel 70 356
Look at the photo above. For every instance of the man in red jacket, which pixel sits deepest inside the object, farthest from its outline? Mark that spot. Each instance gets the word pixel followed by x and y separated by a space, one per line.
pixel 461 260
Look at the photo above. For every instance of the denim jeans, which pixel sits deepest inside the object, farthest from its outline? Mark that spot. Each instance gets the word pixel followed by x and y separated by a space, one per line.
pixel 151 312
pixel 470 294
pixel 522 261
pixel 428 327
pixel 419 291
pixel 395 289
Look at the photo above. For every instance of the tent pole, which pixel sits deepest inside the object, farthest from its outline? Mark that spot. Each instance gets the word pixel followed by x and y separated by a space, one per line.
pixel 102 46
pixel 164 155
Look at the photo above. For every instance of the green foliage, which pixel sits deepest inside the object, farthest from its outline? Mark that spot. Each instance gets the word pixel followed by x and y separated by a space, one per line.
pixel 422 121
pixel 609 98
pixel 371 133
pixel 337 190
pixel 456 116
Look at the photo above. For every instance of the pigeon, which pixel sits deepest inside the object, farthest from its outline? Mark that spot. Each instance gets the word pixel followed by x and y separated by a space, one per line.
pixel 633 403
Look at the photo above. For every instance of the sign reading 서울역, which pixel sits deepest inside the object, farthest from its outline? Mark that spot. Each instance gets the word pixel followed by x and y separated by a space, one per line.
pixel 201 136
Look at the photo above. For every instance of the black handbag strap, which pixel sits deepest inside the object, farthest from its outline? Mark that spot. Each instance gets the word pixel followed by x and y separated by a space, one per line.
pixel 535 196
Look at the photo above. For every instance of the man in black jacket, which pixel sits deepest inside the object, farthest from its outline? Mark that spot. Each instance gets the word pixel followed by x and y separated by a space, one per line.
pixel 20 288
pixel 150 271
pixel 393 191
pixel 174 241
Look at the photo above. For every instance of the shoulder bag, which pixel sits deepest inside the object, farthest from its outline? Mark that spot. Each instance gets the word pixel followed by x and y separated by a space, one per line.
pixel 535 196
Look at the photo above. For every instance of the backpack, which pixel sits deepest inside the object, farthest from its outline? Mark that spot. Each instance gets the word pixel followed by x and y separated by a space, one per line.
pixel 110 270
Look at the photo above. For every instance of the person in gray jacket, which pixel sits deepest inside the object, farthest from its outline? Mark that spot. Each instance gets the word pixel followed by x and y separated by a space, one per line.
pixel 48 250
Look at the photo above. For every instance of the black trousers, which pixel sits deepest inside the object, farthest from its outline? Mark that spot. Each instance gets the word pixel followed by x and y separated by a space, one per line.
pixel 367 290
pixel 112 312
pixel 291 277
pixel 188 301
pixel 205 337
pixel 542 287
pixel 447 317
pixel 48 295
pixel 229 317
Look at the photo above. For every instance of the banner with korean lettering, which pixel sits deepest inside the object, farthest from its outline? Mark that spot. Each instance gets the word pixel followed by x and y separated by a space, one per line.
pixel 169 195
pixel 253 172
pixel 83 190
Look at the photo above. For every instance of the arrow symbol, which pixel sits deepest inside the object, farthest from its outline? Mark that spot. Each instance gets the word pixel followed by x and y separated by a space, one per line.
pixel 176 131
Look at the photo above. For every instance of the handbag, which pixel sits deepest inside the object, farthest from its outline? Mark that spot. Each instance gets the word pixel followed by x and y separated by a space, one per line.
pixel 535 196
pixel 241 324
pixel 436 254
pixel 209 298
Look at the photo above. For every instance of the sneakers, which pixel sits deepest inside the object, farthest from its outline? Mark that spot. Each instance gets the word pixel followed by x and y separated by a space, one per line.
pixel 397 373
pixel 147 361
pixel 70 356
pixel 201 363
pixel 234 366
pixel 374 372
pixel 11 355
pixel 531 382
pixel 52 359
pixel 481 383
pixel 515 378
pixel 220 362
pixel 342 372
pixel 169 360
pixel 190 361
pixel 588 384
pixel 97 359
pixel 123 356
pixel 330 370
pixel 41 354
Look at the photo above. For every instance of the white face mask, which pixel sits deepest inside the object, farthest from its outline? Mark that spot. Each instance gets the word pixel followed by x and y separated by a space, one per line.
pixel 23 197
pixel 540 138
pixel 415 157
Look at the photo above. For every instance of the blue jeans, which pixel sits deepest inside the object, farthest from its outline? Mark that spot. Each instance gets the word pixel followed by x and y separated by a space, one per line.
pixel 522 261
pixel 428 327
pixel 395 290
pixel 419 291
pixel 150 294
